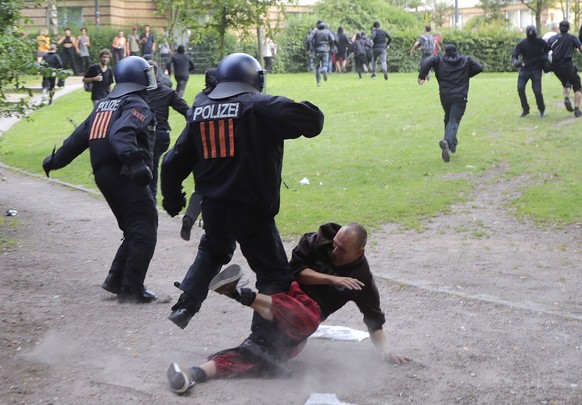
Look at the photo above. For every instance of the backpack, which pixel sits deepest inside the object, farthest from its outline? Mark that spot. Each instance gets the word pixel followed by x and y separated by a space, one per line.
pixel 428 44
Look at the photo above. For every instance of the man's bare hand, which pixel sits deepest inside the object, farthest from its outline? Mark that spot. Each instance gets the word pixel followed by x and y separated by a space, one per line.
pixel 395 358
pixel 348 282
pixel 421 81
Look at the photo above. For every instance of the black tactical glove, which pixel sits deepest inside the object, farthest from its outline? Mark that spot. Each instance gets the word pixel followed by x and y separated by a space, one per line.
pixel 47 163
pixel 518 64
pixel 173 206
pixel 141 174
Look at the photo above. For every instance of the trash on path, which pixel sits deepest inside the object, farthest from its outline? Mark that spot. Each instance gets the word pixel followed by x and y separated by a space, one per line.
pixel 339 333
pixel 324 399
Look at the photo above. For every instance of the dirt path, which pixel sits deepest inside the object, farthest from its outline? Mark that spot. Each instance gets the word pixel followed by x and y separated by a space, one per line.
pixel 488 307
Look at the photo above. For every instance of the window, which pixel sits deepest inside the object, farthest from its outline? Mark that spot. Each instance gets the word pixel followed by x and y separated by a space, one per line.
pixel 70 17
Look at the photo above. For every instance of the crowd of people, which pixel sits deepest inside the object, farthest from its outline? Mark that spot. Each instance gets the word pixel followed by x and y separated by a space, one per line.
pixel 333 52
pixel 329 51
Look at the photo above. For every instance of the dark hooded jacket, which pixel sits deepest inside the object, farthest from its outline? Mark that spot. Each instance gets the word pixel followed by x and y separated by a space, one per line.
pixel 322 38
pixel 453 71
pixel 533 51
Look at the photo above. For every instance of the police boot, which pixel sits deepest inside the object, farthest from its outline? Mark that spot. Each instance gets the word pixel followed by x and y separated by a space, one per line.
pixel 112 283
pixel 184 310
pixel 136 296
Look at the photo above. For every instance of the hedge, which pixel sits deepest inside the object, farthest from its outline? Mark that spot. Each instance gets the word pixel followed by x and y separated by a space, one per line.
pixel 493 49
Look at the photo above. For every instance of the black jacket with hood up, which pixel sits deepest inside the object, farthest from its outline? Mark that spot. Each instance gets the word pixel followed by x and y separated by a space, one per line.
pixel 453 71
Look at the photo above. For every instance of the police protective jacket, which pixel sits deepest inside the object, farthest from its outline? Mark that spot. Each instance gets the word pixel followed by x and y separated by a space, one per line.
pixel 118 130
pixel 235 147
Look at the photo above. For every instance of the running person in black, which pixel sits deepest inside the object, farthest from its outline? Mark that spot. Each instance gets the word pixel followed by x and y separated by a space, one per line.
pixel 160 100
pixel 381 41
pixel 321 40
pixel 562 46
pixel 233 143
pixel 51 59
pixel 119 134
pixel 453 72
pixel 533 51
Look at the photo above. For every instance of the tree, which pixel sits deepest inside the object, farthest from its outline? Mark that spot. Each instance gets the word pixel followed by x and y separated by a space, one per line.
pixel 359 15
pixel 220 16
pixel 15 59
pixel 537 7
pixel 442 9
pixel 493 8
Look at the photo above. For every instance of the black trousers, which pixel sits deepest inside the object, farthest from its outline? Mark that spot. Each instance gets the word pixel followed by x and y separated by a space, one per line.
pixel 160 147
pixel 454 111
pixel 225 224
pixel 137 217
pixel 69 54
pixel 535 75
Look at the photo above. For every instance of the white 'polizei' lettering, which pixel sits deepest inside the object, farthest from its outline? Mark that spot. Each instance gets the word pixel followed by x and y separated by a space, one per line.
pixel 109 105
pixel 216 111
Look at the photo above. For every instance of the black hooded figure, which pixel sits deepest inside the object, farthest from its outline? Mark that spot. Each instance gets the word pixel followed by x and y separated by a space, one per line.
pixel 529 56
pixel 453 72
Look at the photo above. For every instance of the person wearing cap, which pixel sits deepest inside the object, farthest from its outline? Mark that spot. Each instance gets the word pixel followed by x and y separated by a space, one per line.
pixel 453 72
pixel 233 143
pixel 563 46
pixel 182 65
pixel 133 40
pixel 119 134
pixel 528 56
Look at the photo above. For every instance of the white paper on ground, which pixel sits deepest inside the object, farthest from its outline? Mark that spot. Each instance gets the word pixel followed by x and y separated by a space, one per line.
pixel 324 399
pixel 339 333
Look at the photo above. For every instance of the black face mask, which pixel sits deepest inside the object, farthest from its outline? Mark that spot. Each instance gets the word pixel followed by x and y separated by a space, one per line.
pixel 531 32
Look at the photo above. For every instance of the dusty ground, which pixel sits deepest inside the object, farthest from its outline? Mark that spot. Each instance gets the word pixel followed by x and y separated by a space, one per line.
pixel 488 307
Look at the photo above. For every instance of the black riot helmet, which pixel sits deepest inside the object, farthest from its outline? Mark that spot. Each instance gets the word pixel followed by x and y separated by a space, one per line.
pixel 133 74
pixel 238 73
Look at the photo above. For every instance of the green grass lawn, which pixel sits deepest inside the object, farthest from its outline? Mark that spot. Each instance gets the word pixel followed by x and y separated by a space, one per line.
pixel 378 159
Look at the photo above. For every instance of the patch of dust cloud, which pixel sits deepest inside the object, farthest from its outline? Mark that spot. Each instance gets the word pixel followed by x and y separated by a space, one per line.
pixel 61 352
pixel 340 368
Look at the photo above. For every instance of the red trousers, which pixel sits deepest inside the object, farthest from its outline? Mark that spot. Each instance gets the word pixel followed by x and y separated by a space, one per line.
pixel 296 315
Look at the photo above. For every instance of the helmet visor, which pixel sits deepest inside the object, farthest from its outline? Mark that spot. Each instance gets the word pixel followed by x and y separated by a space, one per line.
pixel 152 82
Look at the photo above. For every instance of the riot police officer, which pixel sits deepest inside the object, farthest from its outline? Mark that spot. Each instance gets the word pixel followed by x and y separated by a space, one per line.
pixel 119 134
pixel 233 143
